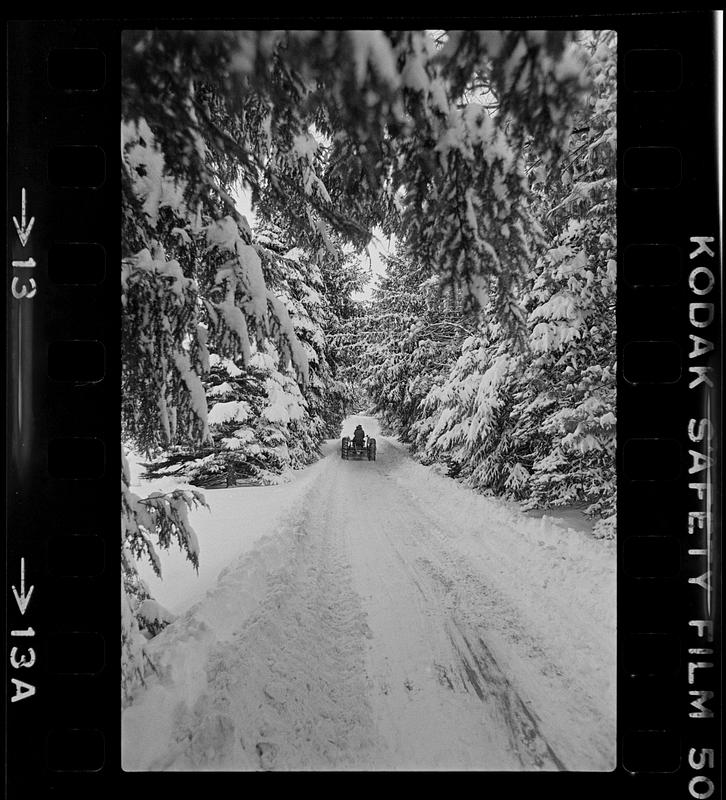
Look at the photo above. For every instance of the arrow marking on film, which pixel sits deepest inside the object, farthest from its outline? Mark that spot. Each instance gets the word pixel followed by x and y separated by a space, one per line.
pixel 22 599
pixel 23 231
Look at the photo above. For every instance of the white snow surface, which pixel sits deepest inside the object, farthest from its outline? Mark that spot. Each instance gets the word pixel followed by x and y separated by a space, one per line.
pixel 377 615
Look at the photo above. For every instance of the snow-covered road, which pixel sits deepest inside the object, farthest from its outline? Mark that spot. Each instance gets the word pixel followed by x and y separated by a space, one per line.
pixel 394 620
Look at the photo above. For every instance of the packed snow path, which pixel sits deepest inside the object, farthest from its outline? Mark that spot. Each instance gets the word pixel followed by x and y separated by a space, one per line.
pixel 395 620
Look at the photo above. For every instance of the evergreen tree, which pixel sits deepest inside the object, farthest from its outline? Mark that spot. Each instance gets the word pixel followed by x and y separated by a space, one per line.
pixel 572 317
pixel 410 332
pixel 533 416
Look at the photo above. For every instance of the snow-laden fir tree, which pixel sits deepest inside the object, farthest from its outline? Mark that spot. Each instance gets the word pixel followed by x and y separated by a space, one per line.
pixel 530 412
pixel 409 332
pixel 262 422
pixel 568 391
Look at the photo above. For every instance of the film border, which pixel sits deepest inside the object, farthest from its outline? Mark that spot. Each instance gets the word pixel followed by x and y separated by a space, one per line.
pixel 655 709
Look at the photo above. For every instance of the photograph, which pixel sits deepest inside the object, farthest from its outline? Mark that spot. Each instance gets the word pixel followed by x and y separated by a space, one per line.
pixel 368 400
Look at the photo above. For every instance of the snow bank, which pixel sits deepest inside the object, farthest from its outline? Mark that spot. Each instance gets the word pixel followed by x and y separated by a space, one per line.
pixel 545 552
pixel 560 579
pixel 236 521
pixel 231 671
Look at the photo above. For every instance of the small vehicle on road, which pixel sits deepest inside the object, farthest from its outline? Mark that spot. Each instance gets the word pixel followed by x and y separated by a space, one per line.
pixel 351 448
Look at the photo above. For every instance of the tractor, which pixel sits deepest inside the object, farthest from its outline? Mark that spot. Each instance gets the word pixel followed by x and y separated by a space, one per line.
pixel 357 450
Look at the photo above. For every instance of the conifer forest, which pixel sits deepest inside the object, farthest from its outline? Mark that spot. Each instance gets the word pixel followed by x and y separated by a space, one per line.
pixel 411 231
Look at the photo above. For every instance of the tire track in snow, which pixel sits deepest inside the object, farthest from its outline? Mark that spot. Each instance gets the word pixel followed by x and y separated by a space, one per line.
pixel 492 686
pixel 289 691
pixel 477 618
pixel 478 673
pixel 574 716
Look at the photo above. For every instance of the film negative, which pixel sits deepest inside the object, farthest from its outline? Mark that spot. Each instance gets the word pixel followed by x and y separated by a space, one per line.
pixel 416 377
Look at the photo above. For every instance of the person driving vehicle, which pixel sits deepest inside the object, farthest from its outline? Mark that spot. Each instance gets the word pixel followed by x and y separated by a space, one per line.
pixel 359 436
